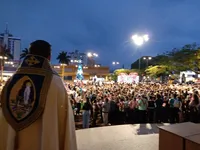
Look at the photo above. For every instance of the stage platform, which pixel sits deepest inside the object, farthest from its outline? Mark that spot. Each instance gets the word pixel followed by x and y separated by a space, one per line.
pixel 123 137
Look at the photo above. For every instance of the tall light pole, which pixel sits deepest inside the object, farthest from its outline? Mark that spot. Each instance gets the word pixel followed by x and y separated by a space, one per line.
pixel 63 70
pixel 147 59
pixel 91 56
pixel 139 40
pixel 115 63
pixel 2 58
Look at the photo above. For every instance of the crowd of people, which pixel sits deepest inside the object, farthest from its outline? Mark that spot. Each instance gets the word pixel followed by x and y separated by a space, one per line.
pixel 114 104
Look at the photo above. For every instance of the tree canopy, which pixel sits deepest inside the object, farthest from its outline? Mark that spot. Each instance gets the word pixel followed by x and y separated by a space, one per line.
pixel 174 61
pixel 24 53
pixel 63 58
pixel 158 70
pixel 118 71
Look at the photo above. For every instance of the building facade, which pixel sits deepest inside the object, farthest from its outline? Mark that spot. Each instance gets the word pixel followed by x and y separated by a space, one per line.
pixel 88 72
pixel 12 43
pixel 69 71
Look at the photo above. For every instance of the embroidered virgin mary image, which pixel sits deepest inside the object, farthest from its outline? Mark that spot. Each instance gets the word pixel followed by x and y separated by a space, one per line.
pixel 22 98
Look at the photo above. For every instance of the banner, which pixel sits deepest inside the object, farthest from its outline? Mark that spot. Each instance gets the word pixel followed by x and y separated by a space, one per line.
pixel 125 78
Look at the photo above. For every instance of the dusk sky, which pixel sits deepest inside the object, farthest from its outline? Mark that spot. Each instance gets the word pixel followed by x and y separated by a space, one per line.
pixel 104 26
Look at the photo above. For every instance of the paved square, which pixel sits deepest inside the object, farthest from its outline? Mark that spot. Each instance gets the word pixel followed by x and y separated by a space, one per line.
pixel 123 137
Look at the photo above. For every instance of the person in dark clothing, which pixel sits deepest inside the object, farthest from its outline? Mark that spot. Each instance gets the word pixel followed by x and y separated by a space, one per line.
pixel 78 106
pixel 165 110
pixel 93 98
pixel 158 108
pixel 185 110
pixel 95 113
pixel 177 105
pixel 151 109
pixel 112 112
pixel 132 111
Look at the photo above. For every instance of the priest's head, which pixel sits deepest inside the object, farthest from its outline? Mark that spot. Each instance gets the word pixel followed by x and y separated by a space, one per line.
pixel 40 48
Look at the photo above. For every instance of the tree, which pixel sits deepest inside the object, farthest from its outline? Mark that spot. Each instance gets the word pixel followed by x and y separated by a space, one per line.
pixel 79 74
pixel 127 71
pixel 157 71
pixel 63 58
pixel 24 53
pixel 176 60
pixel 118 71
pixel 112 77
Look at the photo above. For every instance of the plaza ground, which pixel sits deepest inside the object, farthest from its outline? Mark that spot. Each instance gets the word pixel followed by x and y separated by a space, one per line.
pixel 122 137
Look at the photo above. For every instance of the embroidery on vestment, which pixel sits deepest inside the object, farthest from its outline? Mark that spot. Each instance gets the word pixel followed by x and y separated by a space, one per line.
pixel 24 95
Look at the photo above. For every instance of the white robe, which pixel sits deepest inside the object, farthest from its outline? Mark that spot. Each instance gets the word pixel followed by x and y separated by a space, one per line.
pixel 54 130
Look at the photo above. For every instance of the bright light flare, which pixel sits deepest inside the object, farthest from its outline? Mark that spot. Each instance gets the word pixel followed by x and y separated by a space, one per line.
pixel 92 54
pixel 63 64
pixel 1 57
pixel 149 58
pixel 96 65
pixel 89 54
pixel 146 37
pixel 115 63
pixel 95 54
pixel 9 62
pixel 139 40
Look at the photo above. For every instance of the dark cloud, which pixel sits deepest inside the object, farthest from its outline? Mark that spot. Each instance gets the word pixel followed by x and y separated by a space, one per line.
pixel 104 26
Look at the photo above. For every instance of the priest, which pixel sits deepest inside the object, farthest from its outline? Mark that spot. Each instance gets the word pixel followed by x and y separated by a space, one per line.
pixel 36 113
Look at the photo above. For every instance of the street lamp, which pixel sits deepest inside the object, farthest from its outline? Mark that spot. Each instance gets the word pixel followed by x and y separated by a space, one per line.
pixel 85 67
pixel 91 57
pixel 9 62
pixel 92 54
pixel 139 40
pixel 76 61
pixel 97 66
pixel 2 65
pixel 89 54
pixel 115 63
pixel 147 59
